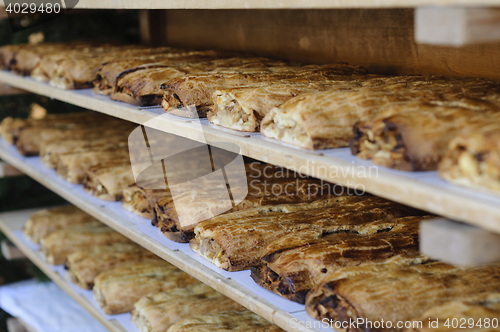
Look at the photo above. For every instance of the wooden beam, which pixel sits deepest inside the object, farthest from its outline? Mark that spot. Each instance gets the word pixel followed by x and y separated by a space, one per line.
pixel 7 170
pixel 456 26
pixel 458 243
pixel 10 251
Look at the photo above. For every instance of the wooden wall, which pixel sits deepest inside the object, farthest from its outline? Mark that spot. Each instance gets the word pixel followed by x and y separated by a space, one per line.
pixel 382 40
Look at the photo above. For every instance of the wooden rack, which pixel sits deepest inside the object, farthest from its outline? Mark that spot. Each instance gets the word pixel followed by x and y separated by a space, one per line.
pixel 236 285
pixel 390 37
pixel 424 190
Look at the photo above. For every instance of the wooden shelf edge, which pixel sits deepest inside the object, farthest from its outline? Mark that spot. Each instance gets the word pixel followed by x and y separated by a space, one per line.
pixel 8 225
pixel 423 190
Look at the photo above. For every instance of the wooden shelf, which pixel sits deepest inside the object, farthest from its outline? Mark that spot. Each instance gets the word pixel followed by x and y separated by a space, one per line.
pixel 274 4
pixel 424 190
pixel 11 224
pixel 237 285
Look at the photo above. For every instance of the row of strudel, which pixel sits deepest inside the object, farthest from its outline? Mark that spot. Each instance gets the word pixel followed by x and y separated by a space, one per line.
pixel 404 292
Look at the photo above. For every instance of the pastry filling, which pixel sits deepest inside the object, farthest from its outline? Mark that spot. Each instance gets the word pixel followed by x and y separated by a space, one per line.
pixel 287 130
pixel 210 250
pixel 479 168
pixel 230 114
pixel 335 307
pixel 141 321
pixel 385 147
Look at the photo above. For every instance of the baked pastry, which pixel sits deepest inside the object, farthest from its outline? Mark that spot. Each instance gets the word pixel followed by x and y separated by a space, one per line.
pixel 142 86
pixel 78 71
pixel 236 241
pixel 473 158
pixel 295 263
pixel 30 139
pixel 84 265
pixel 61 243
pixel 398 294
pixel 72 167
pixel 239 320
pixel 417 135
pixel 117 290
pixel 477 313
pixel 243 108
pixel 106 181
pixel 197 205
pixel 198 90
pixel 105 79
pixel 324 120
pixel 158 311
pixel 51 151
pixel 12 127
pixel 46 221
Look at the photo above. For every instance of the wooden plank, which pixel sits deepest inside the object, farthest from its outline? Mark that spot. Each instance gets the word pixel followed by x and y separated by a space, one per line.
pixel 382 40
pixel 6 90
pixel 423 190
pixel 456 26
pixel 7 170
pixel 271 4
pixel 13 221
pixel 10 251
pixel 458 243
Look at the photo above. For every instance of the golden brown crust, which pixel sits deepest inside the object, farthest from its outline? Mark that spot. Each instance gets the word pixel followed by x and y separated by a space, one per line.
pixel 244 108
pixel 240 321
pixel 73 166
pixel 142 87
pixel 236 241
pixel 117 290
pixel 416 136
pixel 293 264
pixel 107 181
pixel 325 119
pixel 158 311
pixel 266 185
pixel 46 221
pixel 477 313
pixel 399 294
pixel 59 244
pixel 473 159
pixel 84 265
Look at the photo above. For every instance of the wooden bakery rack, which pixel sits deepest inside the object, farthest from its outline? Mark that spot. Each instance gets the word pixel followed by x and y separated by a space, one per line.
pixel 448 37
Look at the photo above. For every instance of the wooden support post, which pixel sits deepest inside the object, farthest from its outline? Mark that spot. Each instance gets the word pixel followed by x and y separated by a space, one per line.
pixel 458 243
pixel 456 26
pixel 7 170
pixel 10 251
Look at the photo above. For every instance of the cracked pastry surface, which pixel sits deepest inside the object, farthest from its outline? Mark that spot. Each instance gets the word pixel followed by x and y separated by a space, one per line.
pixel 295 263
pixel 158 311
pixel 236 241
pixel 138 279
pixel 46 221
pixel 325 119
pixel 84 265
pixel 399 294
pixel 237 321
pixel 59 244
pixel 473 311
